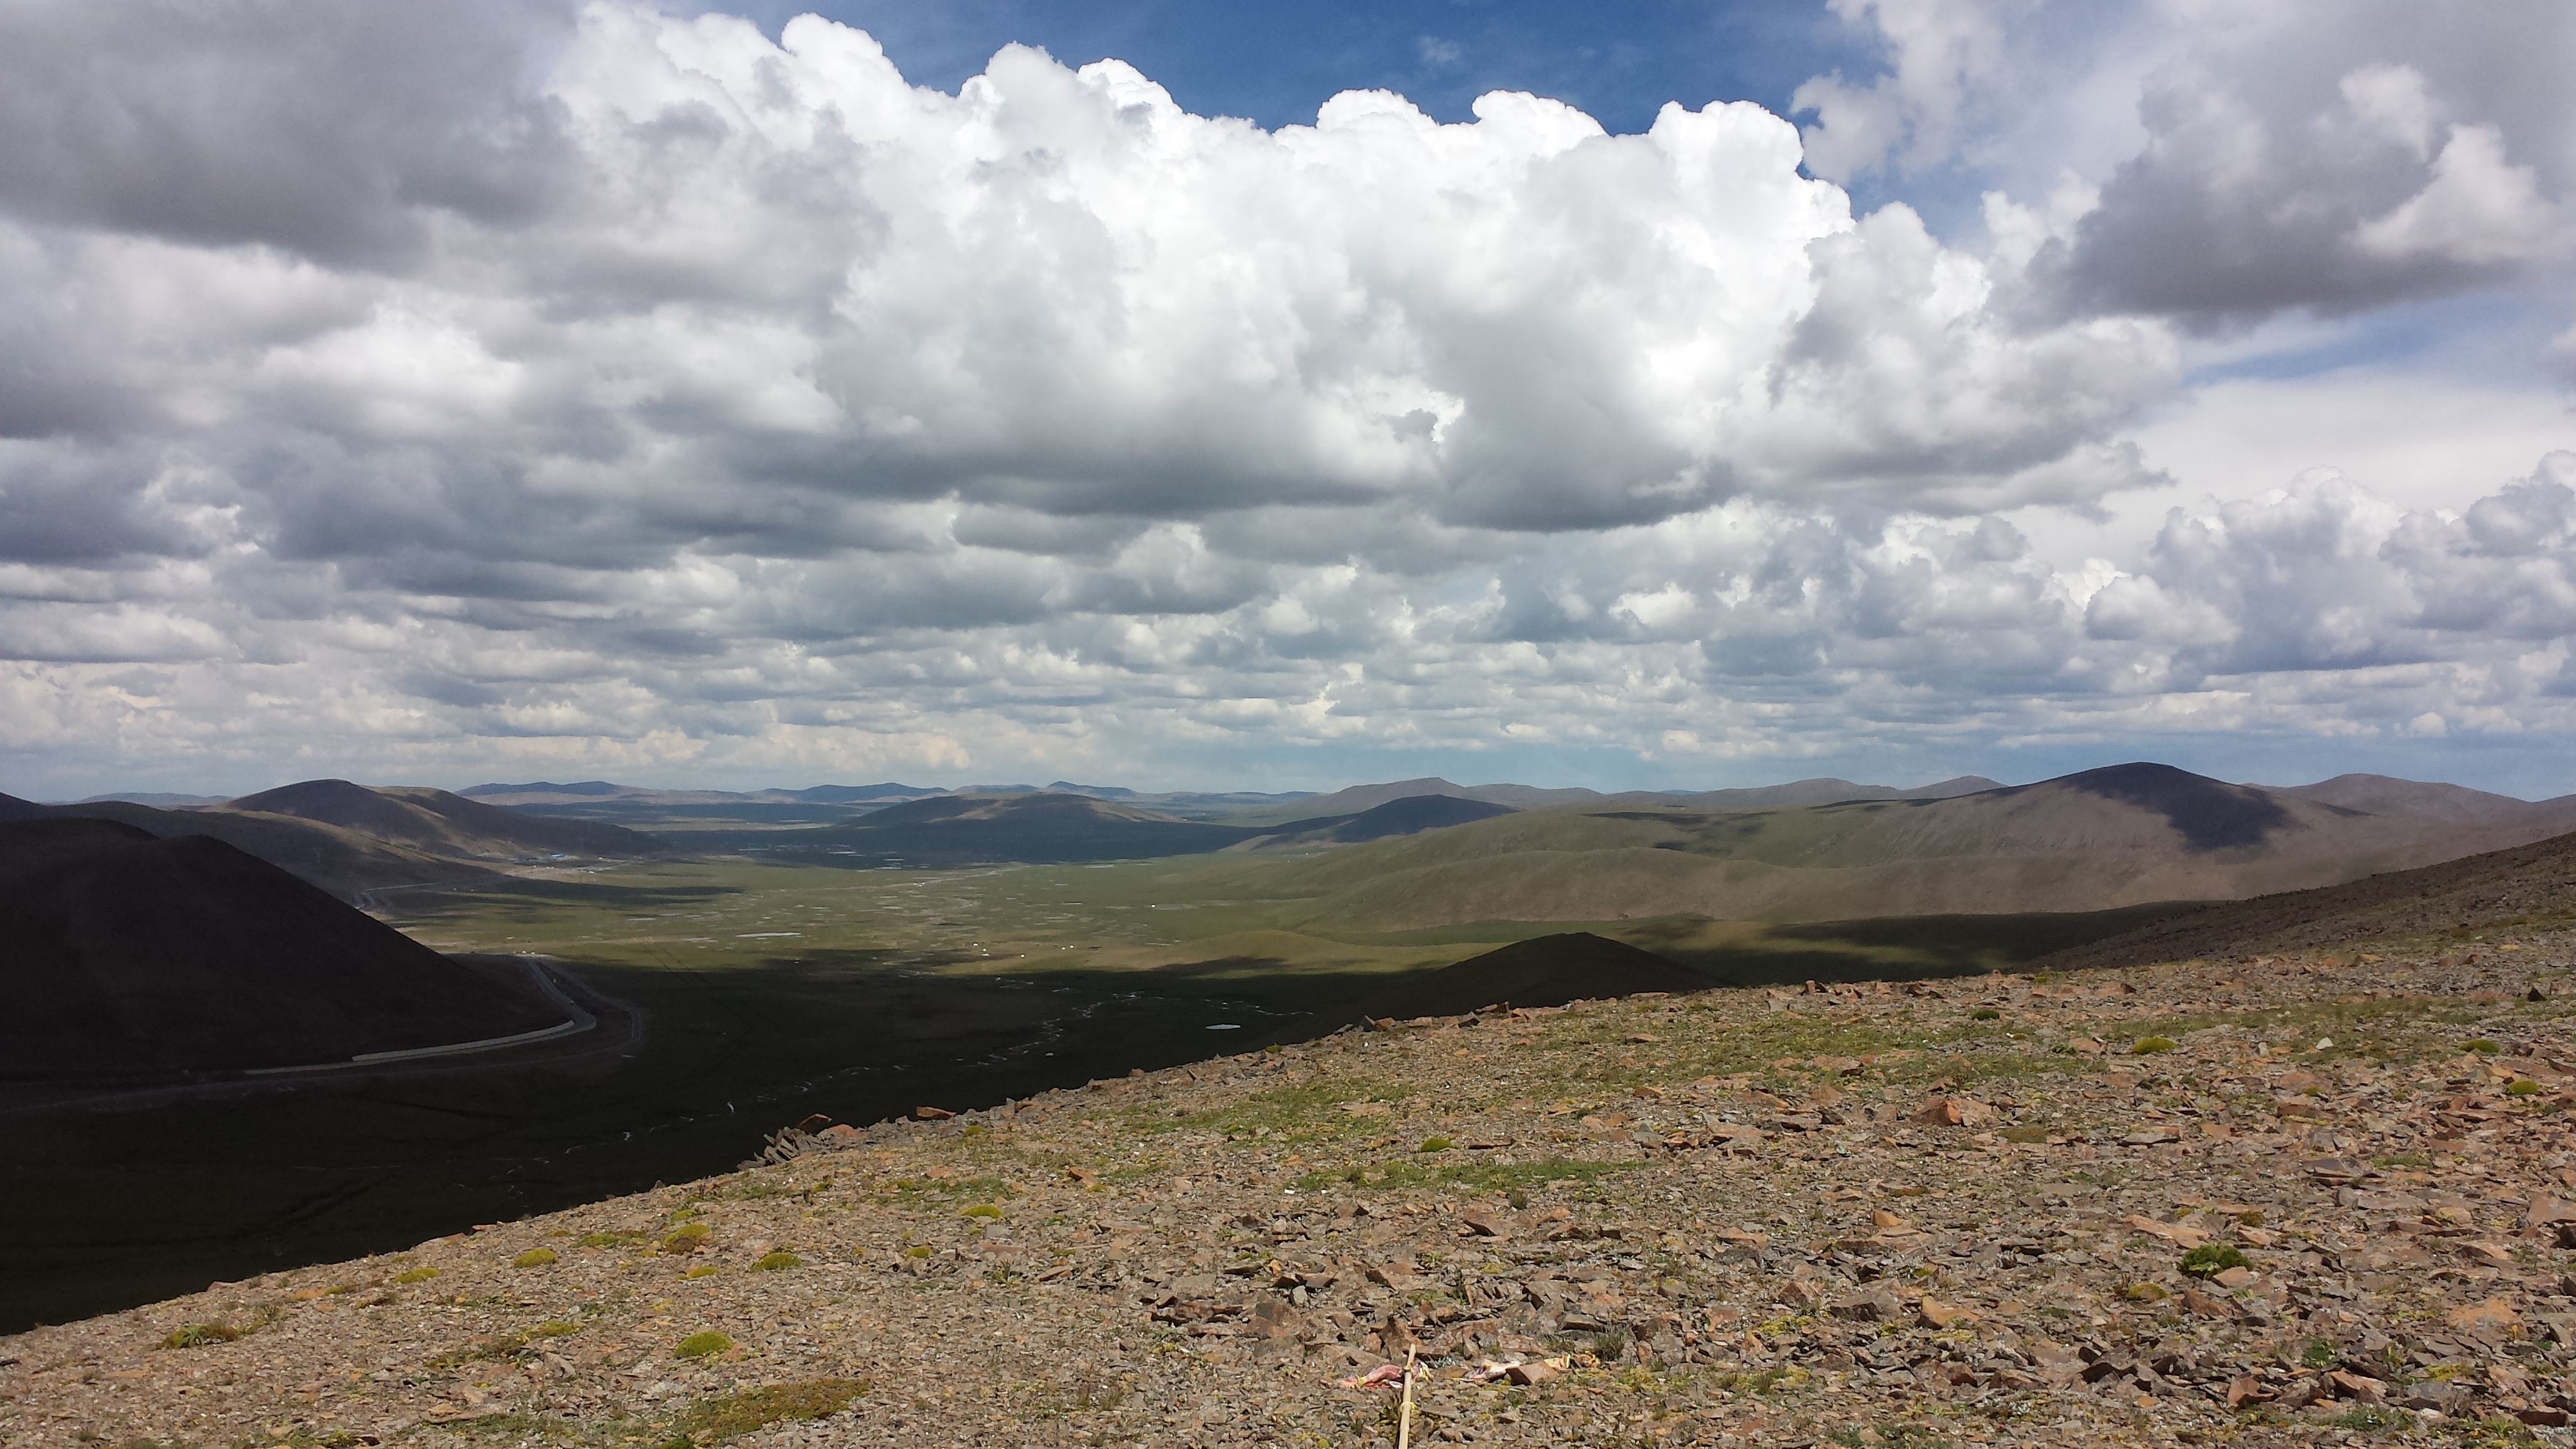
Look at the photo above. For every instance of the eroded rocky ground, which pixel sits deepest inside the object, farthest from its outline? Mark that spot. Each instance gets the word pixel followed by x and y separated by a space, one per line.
pixel 2303 1199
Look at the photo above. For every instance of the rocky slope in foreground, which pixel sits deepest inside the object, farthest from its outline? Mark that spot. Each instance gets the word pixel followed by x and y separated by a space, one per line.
pixel 1958 1214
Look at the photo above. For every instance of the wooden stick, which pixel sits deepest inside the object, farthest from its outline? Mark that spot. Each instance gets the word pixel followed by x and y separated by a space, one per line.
pixel 1404 1417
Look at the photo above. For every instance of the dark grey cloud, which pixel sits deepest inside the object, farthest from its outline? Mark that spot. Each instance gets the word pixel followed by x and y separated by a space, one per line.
pixel 338 131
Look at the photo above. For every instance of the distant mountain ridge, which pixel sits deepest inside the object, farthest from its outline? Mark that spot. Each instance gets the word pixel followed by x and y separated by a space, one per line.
pixel 1822 791
pixel 351 840
pixel 2123 835
pixel 1046 827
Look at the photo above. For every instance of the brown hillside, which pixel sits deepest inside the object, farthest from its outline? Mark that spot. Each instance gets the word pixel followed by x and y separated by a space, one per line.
pixel 2527 887
pixel 2128 835
pixel 435 822
pixel 341 861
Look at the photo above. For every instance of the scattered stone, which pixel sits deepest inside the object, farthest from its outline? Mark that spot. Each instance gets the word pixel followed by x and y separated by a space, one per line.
pixel 1873 1305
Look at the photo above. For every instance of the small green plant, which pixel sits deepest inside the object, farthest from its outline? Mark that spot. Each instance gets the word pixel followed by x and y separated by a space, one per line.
pixel 2372 1416
pixel 2320 1353
pixel 772 1262
pixel 983 1210
pixel 199 1335
pixel 689 1238
pixel 2211 1259
pixel 507 1345
pixel 1985 1013
pixel 729 1416
pixel 416 1275
pixel 2522 1087
pixel 917 1250
pixel 2145 1293
pixel 704 1345
pixel 2480 1045
pixel 2147 1046
pixel 534 1258
pixel 1435 1144
pixel 703 1270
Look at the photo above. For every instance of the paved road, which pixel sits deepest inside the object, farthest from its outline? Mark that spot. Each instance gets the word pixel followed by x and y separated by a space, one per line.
pixel 543 970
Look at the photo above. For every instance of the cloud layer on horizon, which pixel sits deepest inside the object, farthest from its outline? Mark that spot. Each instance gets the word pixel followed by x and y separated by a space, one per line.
pixel 517 389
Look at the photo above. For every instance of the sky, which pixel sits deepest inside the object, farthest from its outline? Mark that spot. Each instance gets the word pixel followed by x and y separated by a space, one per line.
pixel 1189 396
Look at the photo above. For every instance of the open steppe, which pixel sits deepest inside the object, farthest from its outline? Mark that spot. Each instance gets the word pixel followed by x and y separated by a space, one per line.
pixel 2303 1195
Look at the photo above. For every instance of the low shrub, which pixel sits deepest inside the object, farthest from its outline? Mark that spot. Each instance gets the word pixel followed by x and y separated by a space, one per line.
pixel 2211 1259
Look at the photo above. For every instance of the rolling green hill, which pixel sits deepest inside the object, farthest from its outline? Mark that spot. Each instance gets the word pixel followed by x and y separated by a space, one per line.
pixel 2121 836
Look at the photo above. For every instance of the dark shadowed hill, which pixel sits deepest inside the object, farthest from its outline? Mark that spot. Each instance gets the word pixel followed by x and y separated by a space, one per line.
pixel 436 822
pixel 1543 971
pixel 339 860
pixel 350 840
pixel 131 956
pixel 1412 816
pixel 1409 816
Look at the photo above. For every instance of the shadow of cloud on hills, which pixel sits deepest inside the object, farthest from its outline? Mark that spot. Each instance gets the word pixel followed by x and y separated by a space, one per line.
pixel 427 906
pixel 2210 815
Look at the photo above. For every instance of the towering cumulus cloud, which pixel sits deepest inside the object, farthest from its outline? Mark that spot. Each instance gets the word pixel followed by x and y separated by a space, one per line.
pixel 498 388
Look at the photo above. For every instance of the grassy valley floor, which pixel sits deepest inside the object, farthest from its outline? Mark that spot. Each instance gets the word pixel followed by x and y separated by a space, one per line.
pixel 2297 1198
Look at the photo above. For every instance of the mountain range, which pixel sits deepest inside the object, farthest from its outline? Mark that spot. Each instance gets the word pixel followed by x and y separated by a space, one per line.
pixel 1425 853
pixel 2123 835
pixel 351 840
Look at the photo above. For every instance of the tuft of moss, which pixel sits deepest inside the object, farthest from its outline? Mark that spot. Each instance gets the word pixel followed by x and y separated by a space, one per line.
pixel 2145 1293
pixel 983 1210
pixel 703 1270
pixel 534 1258
pixel 2211 1259
pixel 199 1335
pixel 1985 1013
pixel 706 1344
pixel 2522 1087
pixel 1435 1144
pixel 772 1262
pixel 2150 1045
pixel 728 1416
pixel 2480 1045
pixel 416 1275
pixel 689 1238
